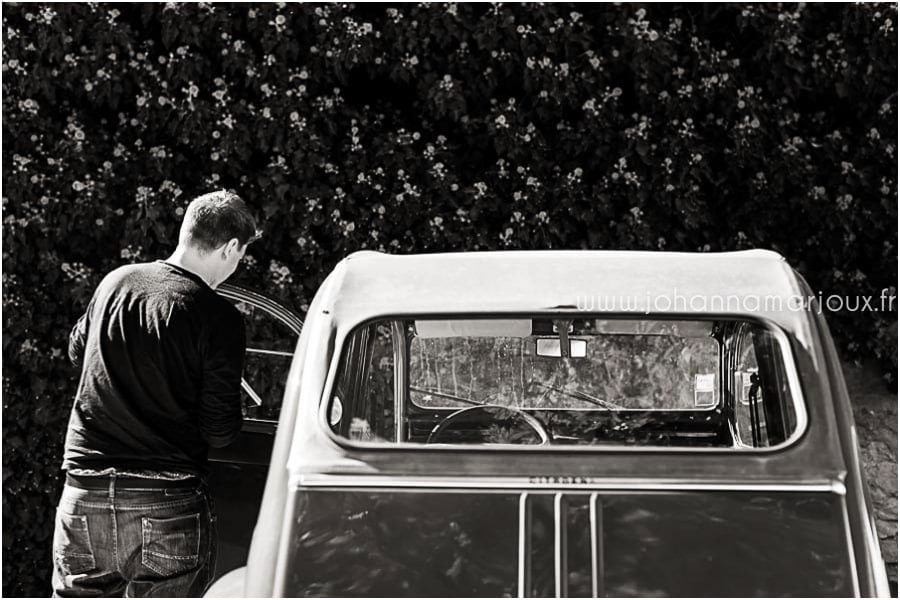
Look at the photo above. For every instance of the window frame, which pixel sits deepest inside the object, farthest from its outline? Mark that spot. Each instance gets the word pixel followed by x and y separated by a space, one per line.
pixel 781 338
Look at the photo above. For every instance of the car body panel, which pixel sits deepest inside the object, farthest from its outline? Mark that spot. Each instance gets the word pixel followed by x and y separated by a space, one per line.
pixel 228 585
pixel 861 518
pixel 691 499
pixel 429 543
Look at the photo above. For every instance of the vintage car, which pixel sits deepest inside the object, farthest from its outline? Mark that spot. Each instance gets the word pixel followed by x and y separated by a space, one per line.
pixel 549 423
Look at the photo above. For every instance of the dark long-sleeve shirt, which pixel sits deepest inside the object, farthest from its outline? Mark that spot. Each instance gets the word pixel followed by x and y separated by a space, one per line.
pixel 161 357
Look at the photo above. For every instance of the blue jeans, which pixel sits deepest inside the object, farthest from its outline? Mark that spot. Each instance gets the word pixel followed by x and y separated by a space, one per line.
pixel 133 542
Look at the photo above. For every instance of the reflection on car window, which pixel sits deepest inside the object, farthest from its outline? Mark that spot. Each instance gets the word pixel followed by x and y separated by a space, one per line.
pixel 545 381
pixel 270 347
pixel 617 372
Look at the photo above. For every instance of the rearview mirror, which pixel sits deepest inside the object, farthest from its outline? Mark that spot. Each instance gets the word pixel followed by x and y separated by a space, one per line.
pixel 553 347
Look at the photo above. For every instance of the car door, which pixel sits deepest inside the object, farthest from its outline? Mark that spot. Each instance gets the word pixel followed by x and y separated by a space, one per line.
pixel 238 471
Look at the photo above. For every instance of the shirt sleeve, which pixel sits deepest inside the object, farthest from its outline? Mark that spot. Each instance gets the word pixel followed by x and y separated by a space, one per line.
pixel 220 393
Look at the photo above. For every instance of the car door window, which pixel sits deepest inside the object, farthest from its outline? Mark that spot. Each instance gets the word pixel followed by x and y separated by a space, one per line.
pixel 272 333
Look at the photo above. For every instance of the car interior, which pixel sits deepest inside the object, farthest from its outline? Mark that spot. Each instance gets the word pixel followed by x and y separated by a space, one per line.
pixel 564 380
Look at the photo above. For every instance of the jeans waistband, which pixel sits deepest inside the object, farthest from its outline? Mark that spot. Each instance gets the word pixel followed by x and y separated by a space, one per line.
pixel 102 482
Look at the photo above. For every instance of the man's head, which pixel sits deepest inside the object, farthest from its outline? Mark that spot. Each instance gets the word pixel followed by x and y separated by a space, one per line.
pixel 216 230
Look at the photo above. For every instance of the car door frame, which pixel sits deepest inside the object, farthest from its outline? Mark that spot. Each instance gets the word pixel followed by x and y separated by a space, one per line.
pixel 245 462
pixel 273 309
pixel 251 425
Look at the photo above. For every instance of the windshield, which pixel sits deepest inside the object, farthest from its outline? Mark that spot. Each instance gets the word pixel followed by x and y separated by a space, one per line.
pixel 662 370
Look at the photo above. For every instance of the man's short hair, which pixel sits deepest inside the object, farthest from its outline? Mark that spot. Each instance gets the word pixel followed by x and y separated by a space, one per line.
pixel 216 218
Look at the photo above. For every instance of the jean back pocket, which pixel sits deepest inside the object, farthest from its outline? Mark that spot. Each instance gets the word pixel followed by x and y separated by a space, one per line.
pixel 170 546
pixel 72 544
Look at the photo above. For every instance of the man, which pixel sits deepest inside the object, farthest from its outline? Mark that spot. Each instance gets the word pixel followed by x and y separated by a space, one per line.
pixel 161 356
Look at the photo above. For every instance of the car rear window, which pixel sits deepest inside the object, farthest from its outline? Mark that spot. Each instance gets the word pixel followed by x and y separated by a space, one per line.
pixel 566 381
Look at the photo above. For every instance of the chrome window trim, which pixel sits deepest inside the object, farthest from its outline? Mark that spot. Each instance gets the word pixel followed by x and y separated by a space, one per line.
pixel 790 367
pixel 242 294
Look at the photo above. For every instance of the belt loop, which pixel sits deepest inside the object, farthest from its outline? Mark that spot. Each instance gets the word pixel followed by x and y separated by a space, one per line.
pixel 112 486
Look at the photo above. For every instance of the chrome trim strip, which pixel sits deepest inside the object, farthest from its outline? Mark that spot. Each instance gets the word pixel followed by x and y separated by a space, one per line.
pixel 271 352
pixel 524 545
pixel 596 546
pixel 241 294
pixel 578 483
pixel 854 569
pixel 251 392
pixel 560 566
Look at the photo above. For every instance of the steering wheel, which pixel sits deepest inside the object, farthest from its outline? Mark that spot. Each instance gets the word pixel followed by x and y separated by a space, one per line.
pixel 494 413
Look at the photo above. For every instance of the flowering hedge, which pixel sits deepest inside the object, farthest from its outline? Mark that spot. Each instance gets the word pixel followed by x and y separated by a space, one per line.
pixel 422 128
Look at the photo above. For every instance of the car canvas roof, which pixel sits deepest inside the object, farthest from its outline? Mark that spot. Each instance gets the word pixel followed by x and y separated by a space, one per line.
pixel 746 283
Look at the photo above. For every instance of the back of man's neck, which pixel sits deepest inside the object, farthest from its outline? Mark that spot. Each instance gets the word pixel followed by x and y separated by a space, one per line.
pixel 182 258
